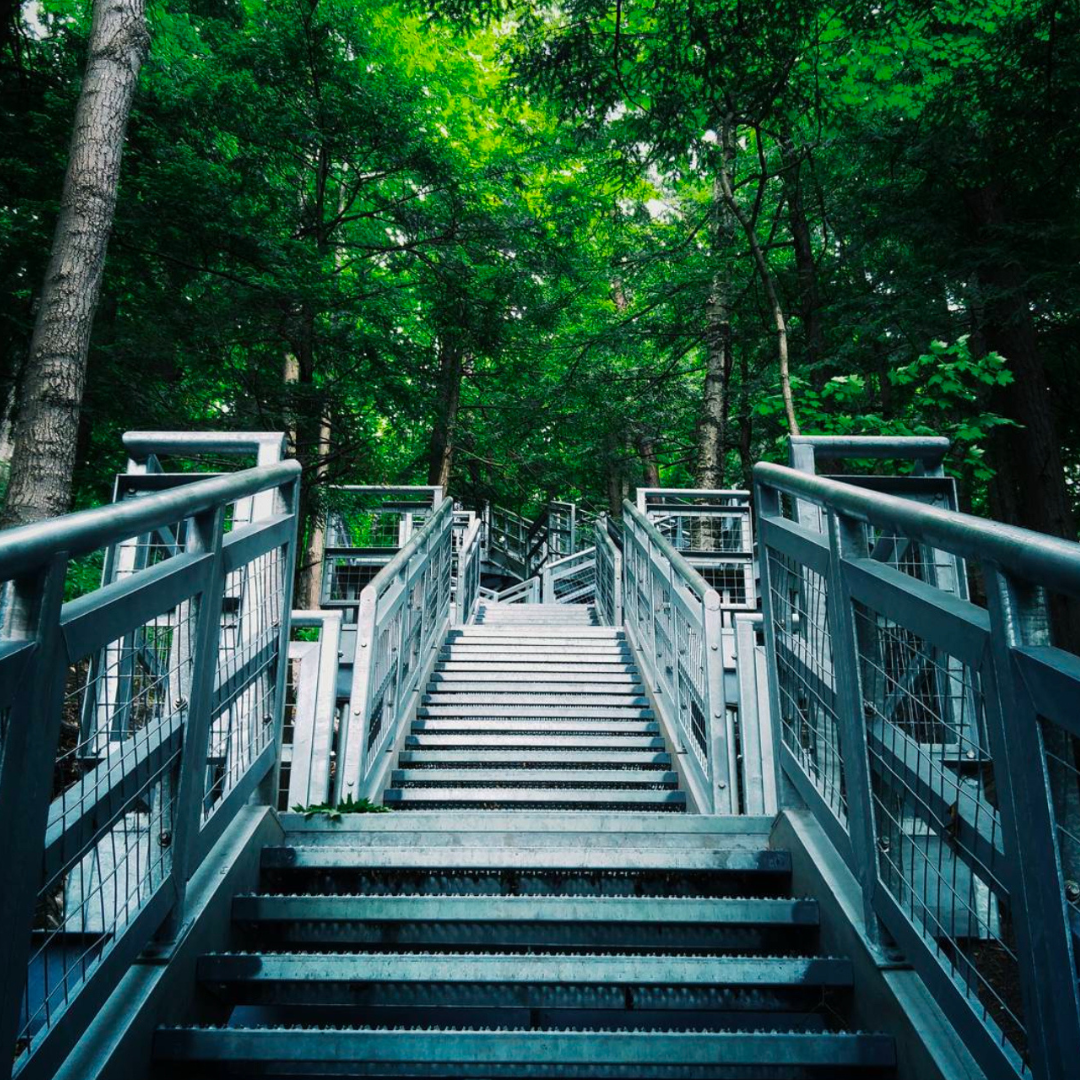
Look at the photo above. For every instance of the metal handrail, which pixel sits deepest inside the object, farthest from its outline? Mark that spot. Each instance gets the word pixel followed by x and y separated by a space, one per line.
pixel 467 586
pixel 934 741
pixel 404 613
pixel 1035 557
pixel 674 621
pixel 30 547
pixel 577 563
pixel 688 575
pixel 180 699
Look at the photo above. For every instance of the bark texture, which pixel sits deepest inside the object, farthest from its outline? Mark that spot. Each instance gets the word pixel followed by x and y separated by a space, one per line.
pixel 650 466
pixel 805 268
pixel 47 418
pixel 712 421
pixel 441 457
pixel 769 285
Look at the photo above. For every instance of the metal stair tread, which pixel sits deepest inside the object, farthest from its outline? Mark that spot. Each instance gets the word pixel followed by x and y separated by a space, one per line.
pixel 538 777
pixel 738 911
pixel 477 1049
pixel 597 968
pixel 532 796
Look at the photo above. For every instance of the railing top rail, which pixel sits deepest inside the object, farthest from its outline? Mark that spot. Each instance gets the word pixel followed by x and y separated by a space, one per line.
pixel 389 489
pixel 31 546
pixel 928 448
pixel 726 493
pixel 313 618
pixel 690 577
pixel 142 444
pixel 1035 557
pixel 384 578
pixel 584 553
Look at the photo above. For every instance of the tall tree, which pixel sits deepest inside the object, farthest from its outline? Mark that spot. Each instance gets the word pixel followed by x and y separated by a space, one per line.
pixel 46 422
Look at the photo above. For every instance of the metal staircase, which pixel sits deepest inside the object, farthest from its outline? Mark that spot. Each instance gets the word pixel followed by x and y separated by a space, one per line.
pixel 535 706
pixel 504 945
pixel 643 831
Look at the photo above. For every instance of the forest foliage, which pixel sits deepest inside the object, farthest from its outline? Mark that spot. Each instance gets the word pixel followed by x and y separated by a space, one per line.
pixel 538 251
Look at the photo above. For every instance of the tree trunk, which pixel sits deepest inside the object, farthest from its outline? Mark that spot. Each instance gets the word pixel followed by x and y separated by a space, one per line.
pixel 712 421
pixel 46 424
pixel 1029 487
pixel 749 229
pixel 650 467
pixel 805 267
pixel 310 584
pixel 746 425
pixel 441 457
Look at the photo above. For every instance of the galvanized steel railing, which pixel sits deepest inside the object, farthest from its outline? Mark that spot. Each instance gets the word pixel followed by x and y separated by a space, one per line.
pixel 608 575
pixel 403 617
pixel 468 556
pixel 522 592
pixel 938 743
pixel 135 720
pixel 308 734
pixel 571 579
pixel 674 620
pixel 712 530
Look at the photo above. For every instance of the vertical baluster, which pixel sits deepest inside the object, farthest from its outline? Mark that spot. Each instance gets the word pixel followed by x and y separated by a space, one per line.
pixel 204 536
pixel 27 752
pixel 1044 942
pixel 847 539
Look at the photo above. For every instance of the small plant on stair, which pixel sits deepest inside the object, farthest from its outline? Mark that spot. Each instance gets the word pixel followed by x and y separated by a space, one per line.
pixel 334 811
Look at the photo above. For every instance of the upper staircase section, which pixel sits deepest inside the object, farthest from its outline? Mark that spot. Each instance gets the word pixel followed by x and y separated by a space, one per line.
pixel 535 707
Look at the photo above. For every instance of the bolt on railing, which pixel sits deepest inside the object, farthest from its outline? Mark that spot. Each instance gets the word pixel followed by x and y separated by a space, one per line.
pixel 936 741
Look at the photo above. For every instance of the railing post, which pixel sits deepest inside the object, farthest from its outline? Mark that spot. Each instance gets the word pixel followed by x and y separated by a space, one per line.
pixel 205 535
pixel 723 790
pixel 1044 941
pixel 30 736
pixel 285 501
pixel 846 539
pixel 768 506
pixel 617 580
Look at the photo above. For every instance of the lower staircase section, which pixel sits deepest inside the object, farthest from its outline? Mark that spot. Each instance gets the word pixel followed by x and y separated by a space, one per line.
pixel 534 706
pixel 508 945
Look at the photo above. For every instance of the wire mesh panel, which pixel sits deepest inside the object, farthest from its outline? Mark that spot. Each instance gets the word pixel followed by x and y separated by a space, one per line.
pixel 806 689
pixel 404 614
pixel 608 576
pixel 571 579
pixel 934 795
pixel 466 565
pixel 945 736
pixel 674 619
pixel 107 701
pixel 713 531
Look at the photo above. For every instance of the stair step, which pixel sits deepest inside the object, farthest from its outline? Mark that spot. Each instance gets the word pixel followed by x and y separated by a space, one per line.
pixel 405 798
pixel 517 760
pixel 575 631
pixel 498 692
pixel 510 642
pixel 541 980
pixel 498 679
pixel 467 722
pixel 456 1052
pixel 535 666
pixel 536 777
pixel 542 709
pixel 509 922
pixel 635 910
pixel 624 856
pixel 536 742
